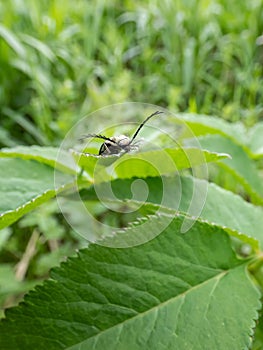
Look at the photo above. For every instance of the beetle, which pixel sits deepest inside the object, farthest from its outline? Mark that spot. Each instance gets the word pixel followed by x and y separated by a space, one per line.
pixel 117 144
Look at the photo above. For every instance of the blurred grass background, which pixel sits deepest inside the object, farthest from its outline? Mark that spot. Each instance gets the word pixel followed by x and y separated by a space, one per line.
pixel 61 60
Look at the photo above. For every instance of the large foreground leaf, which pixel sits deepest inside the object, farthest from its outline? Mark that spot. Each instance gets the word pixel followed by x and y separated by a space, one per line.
pixel 24 185
pixel 177 291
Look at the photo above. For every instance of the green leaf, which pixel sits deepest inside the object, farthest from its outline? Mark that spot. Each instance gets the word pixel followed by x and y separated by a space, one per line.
pixel 9 284
pixel 150 163
pixel 240 166
pixel 258 337
pixel 177 291
pixel 40 46
pixel 240 218
pixel 27 125
pixel 204 124
pixel 215 205
pixel 12 40
pixel 24 185
pixel 255 140
pixel 5 138
pixel 52 156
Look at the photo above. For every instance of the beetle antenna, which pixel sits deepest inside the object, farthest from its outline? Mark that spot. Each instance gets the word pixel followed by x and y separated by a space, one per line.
pixel 102 137
pixel 142 124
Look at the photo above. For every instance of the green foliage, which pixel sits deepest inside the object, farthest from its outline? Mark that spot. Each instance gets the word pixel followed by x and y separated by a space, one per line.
pixel 25 184
pixel 167 260
pixel 153 296
pixel 220 207
pixel 172 232
pixel 61 60
pixel 255 140
pixel 248 176
pixel 45 155
pixel 146 164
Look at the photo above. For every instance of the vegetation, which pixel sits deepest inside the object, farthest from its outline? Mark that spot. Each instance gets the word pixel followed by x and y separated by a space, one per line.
pixel 176 258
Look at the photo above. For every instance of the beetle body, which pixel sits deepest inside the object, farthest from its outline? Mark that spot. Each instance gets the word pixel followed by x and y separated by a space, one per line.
pixel 115 145
pixel 119 144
